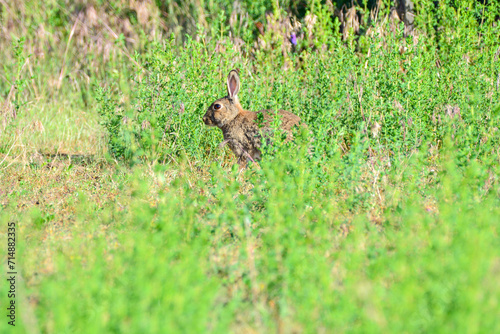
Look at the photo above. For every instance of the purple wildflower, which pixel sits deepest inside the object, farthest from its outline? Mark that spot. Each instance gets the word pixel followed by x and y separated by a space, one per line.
pixel 293 39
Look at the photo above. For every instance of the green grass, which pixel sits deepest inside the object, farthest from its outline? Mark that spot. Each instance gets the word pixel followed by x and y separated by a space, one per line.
pixel 381 217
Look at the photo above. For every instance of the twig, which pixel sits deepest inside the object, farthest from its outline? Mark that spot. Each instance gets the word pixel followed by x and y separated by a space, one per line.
pixel 33 80
pixel 10 149
pixel 61 74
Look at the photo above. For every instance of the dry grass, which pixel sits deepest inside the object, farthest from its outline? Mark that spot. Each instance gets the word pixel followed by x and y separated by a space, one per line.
pixel 77 206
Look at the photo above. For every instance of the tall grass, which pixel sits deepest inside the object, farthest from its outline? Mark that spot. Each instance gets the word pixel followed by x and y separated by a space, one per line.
pixel 381 217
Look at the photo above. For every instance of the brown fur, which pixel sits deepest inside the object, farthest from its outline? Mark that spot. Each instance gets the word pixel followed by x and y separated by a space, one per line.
pixel 241 128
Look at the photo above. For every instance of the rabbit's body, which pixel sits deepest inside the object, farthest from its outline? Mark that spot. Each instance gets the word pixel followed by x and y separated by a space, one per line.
pixel 243 133
pixel 243 129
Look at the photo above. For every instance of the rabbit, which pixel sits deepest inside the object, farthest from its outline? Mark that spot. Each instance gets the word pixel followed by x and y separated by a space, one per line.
pixel 243 129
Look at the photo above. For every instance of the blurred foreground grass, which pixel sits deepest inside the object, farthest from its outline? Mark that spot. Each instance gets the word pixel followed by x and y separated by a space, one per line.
pixel 130 218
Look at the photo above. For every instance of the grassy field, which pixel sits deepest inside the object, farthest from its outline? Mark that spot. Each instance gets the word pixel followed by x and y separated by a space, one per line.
pixel 382 217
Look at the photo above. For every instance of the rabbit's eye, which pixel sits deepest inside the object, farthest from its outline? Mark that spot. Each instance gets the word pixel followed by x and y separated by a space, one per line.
pixel 217 106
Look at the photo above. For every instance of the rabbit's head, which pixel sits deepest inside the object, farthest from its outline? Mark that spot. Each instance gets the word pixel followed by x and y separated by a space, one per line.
pixel 224 110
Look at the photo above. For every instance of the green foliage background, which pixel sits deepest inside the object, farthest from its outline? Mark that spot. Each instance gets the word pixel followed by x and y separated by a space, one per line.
pixel 382 217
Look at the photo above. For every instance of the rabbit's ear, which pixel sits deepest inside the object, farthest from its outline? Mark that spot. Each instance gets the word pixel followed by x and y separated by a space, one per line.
pixel 233 83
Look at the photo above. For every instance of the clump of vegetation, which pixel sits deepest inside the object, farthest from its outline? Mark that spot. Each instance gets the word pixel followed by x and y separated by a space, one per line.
pixel 401 93
pixel 130 217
